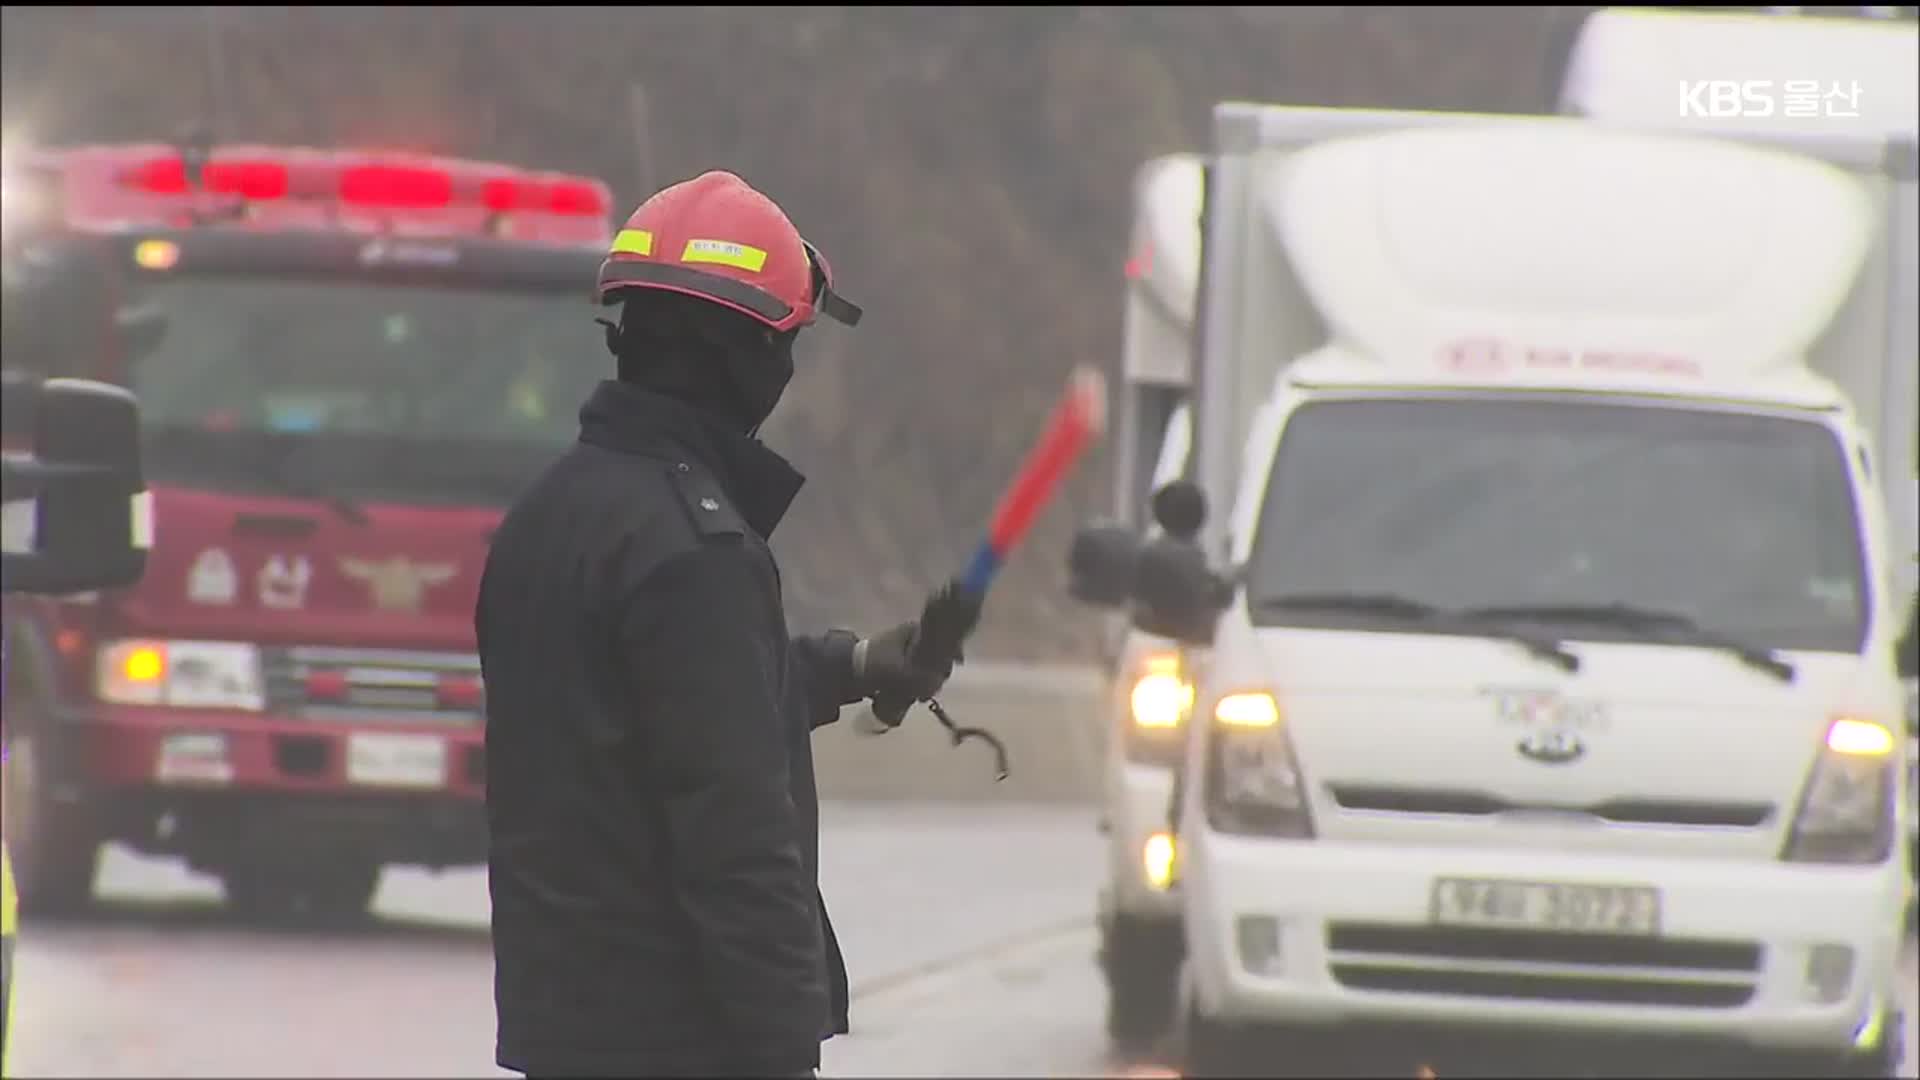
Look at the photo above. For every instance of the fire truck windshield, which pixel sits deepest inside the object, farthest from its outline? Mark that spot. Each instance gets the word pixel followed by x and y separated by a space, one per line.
pixel 367 389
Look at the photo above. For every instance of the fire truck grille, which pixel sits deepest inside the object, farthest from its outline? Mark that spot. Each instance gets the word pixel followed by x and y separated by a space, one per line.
pixel 358 685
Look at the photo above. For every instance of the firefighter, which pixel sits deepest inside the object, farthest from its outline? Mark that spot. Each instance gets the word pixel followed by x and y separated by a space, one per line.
pixel 650 783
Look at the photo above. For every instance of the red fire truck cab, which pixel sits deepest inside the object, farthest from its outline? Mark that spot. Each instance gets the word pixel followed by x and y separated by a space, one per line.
pixel 347 365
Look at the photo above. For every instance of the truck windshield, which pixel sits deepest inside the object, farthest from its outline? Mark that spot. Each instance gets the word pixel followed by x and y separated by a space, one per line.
pixel 362 390
pixel 1743 525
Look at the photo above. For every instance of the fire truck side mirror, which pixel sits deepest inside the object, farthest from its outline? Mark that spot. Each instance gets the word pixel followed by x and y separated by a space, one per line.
pixel 74 511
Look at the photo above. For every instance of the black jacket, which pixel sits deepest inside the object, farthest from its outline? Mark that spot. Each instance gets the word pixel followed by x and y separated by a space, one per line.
pixel 653 821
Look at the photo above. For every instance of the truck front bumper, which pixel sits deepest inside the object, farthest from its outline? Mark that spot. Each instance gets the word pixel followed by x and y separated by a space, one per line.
pixel 1760 955
pixel 209 784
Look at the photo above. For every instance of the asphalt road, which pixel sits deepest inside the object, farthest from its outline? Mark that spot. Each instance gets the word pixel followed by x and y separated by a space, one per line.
pixel 159 983
pixel 966 931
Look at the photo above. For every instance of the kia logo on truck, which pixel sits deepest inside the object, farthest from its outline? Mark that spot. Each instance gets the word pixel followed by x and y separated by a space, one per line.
pixel 1552 746
pixel 1551 723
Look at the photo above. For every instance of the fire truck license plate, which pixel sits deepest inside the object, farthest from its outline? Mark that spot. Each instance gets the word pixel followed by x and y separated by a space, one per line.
pixel 405 761
pixel 1545 905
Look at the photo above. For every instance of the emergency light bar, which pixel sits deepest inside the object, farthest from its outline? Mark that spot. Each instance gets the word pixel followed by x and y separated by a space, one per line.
pixel 375 184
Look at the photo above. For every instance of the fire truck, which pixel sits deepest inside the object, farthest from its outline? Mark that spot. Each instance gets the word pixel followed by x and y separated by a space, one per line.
pixel 347 364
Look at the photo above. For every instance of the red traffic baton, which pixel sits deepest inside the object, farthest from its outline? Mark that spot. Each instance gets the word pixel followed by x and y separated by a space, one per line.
pixel 952 612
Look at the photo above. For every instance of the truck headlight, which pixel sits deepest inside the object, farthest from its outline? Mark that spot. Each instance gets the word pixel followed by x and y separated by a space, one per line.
pixel 1846 811
pixel 1157 706
pixel 186 674
pixel 1159 856
pixel 1254 784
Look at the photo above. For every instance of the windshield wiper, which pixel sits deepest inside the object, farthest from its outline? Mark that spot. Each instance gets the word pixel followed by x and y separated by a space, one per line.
pixel 304 484
pixel 1672 625
pixel 250 463
pixel 1395 606
pixel 1366 603
pixel 306 487
pixel 346 507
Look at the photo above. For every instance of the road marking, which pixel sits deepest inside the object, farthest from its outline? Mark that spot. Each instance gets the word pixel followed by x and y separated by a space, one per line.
pixel 926 1019
pixel 894 982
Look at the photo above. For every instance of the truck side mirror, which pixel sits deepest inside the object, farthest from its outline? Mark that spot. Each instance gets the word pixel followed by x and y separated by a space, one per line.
pixel 1176 594
pixel 1180 508
pixel 1100 565
pixel 74 513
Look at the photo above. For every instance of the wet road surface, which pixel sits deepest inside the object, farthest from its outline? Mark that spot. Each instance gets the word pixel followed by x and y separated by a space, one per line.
pixel 966 928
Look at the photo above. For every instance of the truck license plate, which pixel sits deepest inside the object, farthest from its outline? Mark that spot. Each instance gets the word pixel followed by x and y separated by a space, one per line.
pixel 193 758
pixel 1545 905
pixel 401 761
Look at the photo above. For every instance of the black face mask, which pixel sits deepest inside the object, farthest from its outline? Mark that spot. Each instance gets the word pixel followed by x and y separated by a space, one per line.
pixel 759 381
pixel 714 359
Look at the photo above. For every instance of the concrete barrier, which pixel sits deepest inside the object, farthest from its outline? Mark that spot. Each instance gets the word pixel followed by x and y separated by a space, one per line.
pixel 1049 717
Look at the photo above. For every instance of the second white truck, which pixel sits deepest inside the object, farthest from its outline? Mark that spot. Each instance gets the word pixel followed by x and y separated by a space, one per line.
pixel 1149 694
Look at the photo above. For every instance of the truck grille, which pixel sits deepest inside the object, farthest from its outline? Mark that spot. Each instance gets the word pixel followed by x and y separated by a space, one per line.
pixel 1698 814
pixel 1543 966
pixel 357 685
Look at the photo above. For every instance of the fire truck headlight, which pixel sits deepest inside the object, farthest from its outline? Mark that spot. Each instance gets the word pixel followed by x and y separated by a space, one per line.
pixel 187 674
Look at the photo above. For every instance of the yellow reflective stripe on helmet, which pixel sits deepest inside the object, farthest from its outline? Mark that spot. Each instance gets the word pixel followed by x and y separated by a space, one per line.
pixel 725 253
pixel 633 242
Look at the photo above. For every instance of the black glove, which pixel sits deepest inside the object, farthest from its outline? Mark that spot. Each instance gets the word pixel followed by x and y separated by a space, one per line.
pixel 884 664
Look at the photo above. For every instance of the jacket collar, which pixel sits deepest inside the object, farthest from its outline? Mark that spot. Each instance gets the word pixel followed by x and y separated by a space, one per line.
pixel 760 483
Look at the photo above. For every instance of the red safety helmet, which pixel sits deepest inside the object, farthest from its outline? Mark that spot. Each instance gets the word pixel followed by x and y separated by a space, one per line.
pixel 716 238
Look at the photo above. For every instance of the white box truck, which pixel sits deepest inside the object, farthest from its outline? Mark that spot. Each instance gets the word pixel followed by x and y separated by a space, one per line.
pixel 1553 693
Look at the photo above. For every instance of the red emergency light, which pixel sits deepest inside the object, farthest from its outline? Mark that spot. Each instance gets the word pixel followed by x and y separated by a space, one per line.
pixel 504 196
pixel 247 179
pixel 401 187
pixel 161 176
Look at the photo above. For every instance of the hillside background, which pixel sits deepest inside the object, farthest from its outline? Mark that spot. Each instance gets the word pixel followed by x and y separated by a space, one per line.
pixel 966 169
